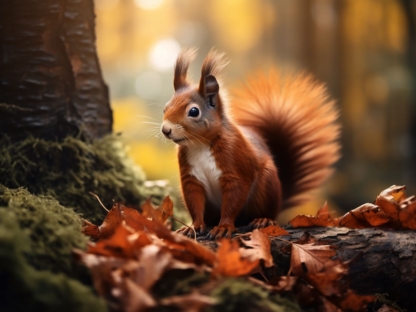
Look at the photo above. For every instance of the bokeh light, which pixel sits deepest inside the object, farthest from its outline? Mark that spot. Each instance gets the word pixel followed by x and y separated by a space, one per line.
pixel 148 4
pixel 164 53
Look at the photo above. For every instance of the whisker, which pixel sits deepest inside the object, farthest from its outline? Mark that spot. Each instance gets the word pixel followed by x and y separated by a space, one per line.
pixel 201 137
pixel 194 137
pixel 151 122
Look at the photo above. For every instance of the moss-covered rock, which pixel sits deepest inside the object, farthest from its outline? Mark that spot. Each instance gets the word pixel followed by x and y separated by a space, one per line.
pixel 68 170
pixel 37 233
pixel 52 230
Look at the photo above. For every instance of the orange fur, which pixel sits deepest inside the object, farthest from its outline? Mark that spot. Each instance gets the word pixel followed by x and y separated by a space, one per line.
pixel 279 144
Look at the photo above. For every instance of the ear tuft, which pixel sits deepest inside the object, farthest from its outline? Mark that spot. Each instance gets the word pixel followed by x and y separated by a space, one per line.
pixel 185 57
pixel 211 85
pixel 212 66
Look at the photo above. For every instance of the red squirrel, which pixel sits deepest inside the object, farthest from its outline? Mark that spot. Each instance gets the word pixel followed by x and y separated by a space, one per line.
pixel 246 160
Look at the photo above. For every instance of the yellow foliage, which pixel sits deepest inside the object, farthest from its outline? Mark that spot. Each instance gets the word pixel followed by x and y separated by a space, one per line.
pixel 238 23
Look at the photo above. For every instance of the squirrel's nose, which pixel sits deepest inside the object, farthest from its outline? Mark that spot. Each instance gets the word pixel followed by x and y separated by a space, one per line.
pixel 166 131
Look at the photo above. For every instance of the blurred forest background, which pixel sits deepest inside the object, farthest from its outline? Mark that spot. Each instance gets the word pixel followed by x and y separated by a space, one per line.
pixel 364 50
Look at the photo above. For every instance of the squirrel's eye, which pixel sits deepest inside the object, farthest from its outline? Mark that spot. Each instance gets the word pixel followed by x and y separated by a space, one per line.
pixel 193 112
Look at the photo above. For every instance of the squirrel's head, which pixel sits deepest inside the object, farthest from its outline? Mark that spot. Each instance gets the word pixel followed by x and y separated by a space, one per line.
pixel 194 114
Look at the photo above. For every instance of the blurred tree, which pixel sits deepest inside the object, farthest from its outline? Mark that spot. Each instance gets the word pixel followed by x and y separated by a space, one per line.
pixel 410 12
pixel 50 78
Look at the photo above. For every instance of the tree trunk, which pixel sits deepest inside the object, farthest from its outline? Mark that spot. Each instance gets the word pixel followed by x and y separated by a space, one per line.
pixel 383 261
pixel 50 79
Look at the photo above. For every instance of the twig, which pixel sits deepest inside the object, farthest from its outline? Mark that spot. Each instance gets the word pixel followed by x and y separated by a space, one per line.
pixel 102 205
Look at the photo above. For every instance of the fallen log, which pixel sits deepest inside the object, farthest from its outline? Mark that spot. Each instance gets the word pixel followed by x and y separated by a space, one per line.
pixel 382 261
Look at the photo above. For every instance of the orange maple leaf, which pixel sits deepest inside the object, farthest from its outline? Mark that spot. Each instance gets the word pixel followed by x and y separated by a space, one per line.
pixel 229 261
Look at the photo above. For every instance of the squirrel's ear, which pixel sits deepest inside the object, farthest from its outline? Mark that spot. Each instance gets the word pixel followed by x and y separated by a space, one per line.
pixel 210 90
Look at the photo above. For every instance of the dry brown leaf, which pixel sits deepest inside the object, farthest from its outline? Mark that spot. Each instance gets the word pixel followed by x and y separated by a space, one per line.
pixel 366 215
pixel 161 214
pixel 193 302
pixel 101 268
pixel 229 261
pixel 394 191
pixel 107 228
pixel 167 208
pixel 284 283
pixel 117 245
pixel 133 297
pixel 148 268
pixel 407 214
pixel 389 199
pixel 387 308
pixel 350 301
pixel 260 248
pixel 274 230
pixel 328 280
pixel 309 258
pixel 322 218
pixel 90 229
pixel 132 218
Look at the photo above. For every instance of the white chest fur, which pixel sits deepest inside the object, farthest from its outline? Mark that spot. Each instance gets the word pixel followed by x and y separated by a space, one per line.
pixel 205 170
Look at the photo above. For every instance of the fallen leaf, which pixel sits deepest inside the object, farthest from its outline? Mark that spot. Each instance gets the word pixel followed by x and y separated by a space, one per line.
pixel 322 218
pixel 119 213
pixel 351 301
pixel 387 308
pixel 396 192
pixel 407 214
pixel 101 269
pixel 274 230
pixel 90 229
pixel 309 258
pixel 327 281
pixel 229 261
pixel 259 244
pixel 389 199
pixel 133 297
pixel 366 215
pixel 161 213
pixel 149 267
pixel 284 283
pixel 167 208
pixel 116 245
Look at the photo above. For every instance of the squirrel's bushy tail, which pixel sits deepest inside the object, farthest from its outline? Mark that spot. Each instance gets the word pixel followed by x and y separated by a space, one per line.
pixel 298 121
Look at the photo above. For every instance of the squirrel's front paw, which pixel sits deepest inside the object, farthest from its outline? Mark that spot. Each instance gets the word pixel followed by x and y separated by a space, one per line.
pixel 191 231
pixel 261 223
pixel 221 231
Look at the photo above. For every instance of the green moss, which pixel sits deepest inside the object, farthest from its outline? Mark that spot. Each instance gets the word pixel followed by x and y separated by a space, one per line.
pixel 241 295
pixel 178 282
pixel 52 230
pixel 68 170
pixel 231 294
pixel 24 288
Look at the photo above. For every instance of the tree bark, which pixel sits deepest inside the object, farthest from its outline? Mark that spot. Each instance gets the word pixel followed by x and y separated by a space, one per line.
pixel 50 78
pixel 383 261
